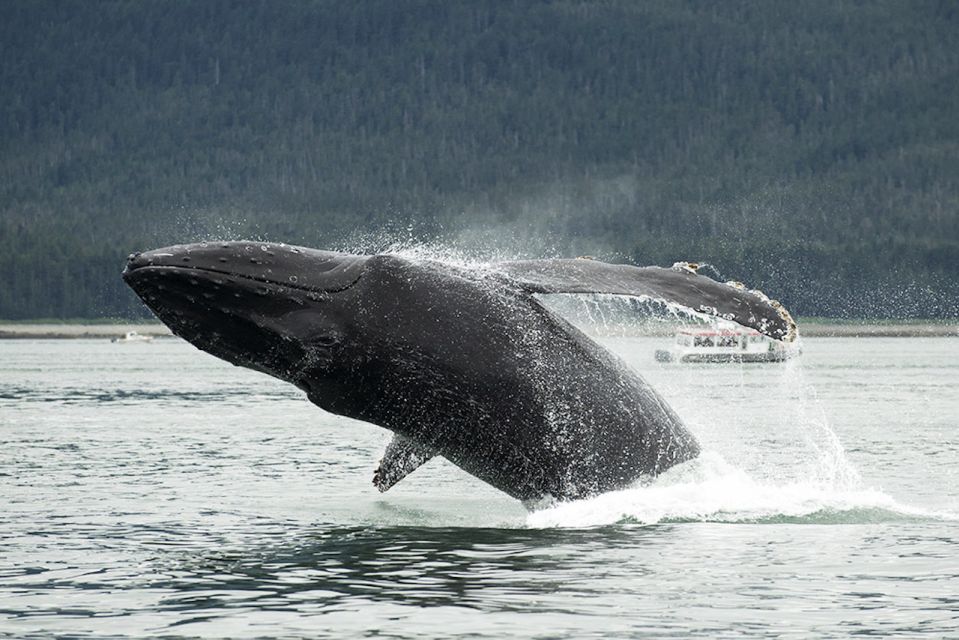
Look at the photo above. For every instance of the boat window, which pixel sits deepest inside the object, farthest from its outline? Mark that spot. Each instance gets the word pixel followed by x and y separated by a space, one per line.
pixel 703 341
pixel 728 341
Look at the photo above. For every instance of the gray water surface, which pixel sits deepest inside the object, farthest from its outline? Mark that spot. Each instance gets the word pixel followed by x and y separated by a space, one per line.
pixel 150 489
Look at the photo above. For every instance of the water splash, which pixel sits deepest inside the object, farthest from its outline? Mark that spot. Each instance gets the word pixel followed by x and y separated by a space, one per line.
pixel 710 489
pixel 413 247
pixel 604 314
pixel 790 465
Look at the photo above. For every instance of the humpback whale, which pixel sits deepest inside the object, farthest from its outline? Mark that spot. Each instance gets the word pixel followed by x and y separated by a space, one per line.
pixel 462 363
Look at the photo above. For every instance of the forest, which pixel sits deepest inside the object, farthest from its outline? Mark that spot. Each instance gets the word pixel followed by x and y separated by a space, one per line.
pixel 810 149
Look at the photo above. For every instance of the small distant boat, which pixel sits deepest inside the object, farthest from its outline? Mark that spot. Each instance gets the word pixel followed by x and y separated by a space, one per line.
pixel 133 336
pixel 729 345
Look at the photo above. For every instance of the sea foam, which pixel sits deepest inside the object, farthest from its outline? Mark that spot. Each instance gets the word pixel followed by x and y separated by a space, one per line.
pixel 710 489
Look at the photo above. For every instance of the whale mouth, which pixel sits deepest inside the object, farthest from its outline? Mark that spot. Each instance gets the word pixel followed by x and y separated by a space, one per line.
pixel 281 265
pixel 229 315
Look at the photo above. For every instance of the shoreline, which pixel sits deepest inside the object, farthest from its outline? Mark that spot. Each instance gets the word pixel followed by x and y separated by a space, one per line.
pixel 879 330
pixel 814 329
pixel 844 329
pixel 78 331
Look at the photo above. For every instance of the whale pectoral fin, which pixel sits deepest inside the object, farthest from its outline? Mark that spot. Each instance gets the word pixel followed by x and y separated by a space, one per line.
pixel 679 285
pixel 402 457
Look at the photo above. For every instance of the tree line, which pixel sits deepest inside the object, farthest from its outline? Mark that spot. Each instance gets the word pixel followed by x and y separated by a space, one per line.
pixel 811 150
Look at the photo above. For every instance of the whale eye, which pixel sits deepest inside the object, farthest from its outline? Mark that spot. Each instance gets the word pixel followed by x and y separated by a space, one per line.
pixel 327 340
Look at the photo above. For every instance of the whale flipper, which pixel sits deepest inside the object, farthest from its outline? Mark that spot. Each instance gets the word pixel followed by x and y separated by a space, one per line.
pixel 402 457
pixel 679 285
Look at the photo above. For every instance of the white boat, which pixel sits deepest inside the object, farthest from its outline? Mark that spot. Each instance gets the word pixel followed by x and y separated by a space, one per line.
pixel 725 345
pixel 133 336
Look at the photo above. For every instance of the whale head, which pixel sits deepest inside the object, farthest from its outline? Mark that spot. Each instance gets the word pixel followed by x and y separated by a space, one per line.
pixel 275 308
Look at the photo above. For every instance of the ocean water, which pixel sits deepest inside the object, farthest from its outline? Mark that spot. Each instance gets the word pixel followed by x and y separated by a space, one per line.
pixel 152 490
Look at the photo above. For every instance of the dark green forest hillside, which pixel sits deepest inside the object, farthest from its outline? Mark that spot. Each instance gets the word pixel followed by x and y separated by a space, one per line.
pixel 811 148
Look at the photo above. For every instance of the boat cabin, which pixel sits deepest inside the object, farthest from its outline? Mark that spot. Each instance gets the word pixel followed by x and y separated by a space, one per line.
pixel 723 345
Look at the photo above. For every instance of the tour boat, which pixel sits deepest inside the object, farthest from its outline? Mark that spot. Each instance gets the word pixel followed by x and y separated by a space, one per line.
pixel 725 345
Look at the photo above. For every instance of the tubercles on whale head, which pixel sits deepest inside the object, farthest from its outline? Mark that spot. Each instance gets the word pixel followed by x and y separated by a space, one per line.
pixel 278 314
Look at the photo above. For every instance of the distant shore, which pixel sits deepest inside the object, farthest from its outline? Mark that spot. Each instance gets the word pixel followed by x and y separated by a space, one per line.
pixel 59 331
pixel 816 328
pixel 878 330
pixel 813 329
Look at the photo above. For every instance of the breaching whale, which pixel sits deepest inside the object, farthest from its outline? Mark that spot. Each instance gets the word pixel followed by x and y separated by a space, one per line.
pixel 462 363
